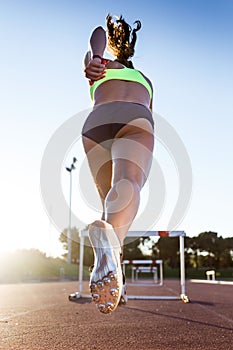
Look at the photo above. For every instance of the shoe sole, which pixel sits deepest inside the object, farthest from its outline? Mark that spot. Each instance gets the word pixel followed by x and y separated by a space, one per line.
pixel 106 291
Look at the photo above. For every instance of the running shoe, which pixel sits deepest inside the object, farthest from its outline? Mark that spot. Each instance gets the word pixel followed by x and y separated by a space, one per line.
pixel 106 277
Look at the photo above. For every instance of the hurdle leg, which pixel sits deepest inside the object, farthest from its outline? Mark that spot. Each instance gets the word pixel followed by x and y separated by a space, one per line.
pixel 182 271
pixel 78 295
pixel 81 257
pixel 161 273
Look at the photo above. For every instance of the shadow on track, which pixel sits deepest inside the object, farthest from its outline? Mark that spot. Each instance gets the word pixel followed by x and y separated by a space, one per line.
pixel 179 318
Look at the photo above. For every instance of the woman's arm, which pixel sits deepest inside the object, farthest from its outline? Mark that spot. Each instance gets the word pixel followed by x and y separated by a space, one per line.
pixel 87 58
pixel 151 105
pixel 95 70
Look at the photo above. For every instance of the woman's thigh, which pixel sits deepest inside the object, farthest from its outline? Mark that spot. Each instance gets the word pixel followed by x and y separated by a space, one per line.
pixel 100 164
pixel 132 152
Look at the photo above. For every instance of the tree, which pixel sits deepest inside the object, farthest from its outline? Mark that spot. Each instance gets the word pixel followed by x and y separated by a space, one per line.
pixel 75 247
pixel 226 258
pixel 209 250
pixel 210 243
pixel 169 250
pixel 132 250
pixel 192 250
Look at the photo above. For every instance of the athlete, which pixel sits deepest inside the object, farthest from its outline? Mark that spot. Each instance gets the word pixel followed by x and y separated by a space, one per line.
pixel 118 138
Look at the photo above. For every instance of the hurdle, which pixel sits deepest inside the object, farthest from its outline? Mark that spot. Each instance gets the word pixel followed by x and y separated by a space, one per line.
pixel 181 234
pixel 144 269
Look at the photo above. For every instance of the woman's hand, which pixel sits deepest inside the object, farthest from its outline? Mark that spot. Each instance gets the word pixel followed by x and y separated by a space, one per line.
pixel 95 70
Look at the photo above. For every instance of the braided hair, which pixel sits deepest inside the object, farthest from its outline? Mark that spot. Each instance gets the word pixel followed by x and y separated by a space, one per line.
pixel 122 39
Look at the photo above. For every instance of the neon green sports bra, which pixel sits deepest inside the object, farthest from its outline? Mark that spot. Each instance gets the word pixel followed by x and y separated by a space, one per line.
pixel 125 73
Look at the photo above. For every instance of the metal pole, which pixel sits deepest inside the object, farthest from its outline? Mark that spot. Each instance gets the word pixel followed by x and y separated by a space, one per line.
pixel 69 236
pixel 161 273
pixel 182 266
pixel 81 257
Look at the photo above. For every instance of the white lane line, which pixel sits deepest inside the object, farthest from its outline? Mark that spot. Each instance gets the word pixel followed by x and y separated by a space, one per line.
pixel 212 282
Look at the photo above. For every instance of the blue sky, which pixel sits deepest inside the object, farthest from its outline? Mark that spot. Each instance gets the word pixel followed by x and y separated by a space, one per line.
pixel 185 47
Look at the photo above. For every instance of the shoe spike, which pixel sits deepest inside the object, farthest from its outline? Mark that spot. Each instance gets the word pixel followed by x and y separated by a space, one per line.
pixel 112 276
pixel 110 306
pixel 93 287
pixel 114 292
pixel 95 297
pixel 101 307
pixel 100 284
pixel 106 281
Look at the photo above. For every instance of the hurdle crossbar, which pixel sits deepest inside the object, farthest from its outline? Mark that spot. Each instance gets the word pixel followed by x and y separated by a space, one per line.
pixel 180 234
